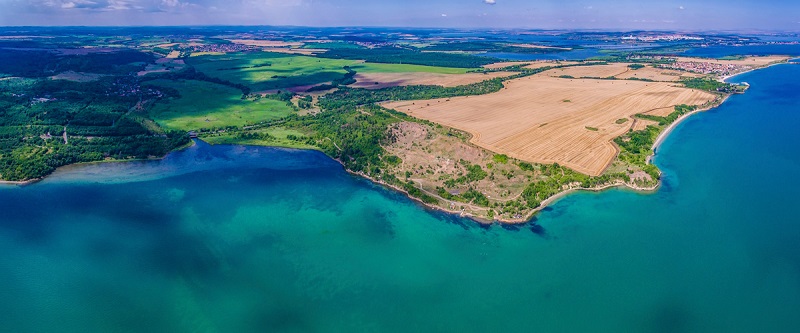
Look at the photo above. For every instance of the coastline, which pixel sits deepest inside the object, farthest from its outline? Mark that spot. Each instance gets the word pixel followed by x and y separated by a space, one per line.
pixel 527 218
pixel 19 183
pixel 725 78
pixel 659 140
pixel 665 133
pixel 79 164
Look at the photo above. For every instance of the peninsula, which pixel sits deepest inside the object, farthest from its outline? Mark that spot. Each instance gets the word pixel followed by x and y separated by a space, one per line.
pixel 454 129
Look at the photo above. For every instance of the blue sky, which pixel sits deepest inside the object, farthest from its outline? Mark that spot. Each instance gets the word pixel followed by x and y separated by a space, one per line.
pixel 547 14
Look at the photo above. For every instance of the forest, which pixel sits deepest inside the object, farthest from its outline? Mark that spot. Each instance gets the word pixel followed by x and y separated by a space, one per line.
pixel 43 63
pixel 47 123
pixel 399 55
pixel 491 47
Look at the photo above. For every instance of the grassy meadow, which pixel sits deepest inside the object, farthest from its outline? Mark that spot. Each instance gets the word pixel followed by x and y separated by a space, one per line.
pixel 275 137
pixel 268 71
pixel 208 105
pixel 404 68
pixel 264 71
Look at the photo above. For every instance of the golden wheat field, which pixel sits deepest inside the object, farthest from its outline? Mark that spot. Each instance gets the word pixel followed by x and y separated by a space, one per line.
pixel 661 112
pixel 595 71
pixel 383 80
pixel 545 119
pixel 656 74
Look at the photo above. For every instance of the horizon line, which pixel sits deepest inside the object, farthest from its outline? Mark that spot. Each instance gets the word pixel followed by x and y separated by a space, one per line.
pixel 710 30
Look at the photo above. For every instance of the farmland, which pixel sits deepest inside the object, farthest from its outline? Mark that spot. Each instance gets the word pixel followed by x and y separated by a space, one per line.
pixel 544 119
pixel 269 71
pixel 472 135
pixel 368 67
pixel 210 105
pixel 264 71
pixel 656 74
pixel 383 80
pixel 596 71
pixel 528 64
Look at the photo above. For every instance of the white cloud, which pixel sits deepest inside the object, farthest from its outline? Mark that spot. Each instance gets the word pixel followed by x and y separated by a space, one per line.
pixel 91 5
pixel 681 7
pixel 489 2
pixel 118 5
pixel 278 3
pixel 444 15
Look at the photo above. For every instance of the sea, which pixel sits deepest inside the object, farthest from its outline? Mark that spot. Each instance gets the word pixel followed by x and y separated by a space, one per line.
pixel 250 239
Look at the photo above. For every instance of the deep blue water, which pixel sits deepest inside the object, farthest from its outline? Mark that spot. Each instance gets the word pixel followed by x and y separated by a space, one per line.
pixel 243 239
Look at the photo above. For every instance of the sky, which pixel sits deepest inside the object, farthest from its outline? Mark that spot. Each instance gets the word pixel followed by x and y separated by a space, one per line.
pixel 542 14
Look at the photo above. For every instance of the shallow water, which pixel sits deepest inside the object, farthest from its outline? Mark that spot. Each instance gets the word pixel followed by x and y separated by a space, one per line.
pixel 236 239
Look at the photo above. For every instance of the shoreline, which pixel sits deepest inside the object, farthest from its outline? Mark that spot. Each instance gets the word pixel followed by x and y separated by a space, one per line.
pixel 666 132
pixel 725 78
pixel 79 164
pixel 663 135
pixel 19 183
pixel 549 201
pixel 527 218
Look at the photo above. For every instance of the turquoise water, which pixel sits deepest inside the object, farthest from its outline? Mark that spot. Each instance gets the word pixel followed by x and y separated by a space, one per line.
pixel 235 239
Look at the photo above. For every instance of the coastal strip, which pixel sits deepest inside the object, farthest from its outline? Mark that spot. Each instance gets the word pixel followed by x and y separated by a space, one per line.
pixel 566 190
pixel 663 135
pixel 545 203
pixel 724 79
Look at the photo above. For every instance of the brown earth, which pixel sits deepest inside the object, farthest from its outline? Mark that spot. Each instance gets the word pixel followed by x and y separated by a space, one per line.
pixel 596 71
pixel 656 74
pixel 548 120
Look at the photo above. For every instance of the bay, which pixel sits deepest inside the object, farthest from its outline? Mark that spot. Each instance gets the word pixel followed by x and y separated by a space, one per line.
pixel 247 239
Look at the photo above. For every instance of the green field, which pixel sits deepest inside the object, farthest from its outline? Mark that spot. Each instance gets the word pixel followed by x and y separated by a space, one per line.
pixel 284 71
pixel 403 68
pixel 332 45
pixel 265 71
pixel 209 105
pixel 276 137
